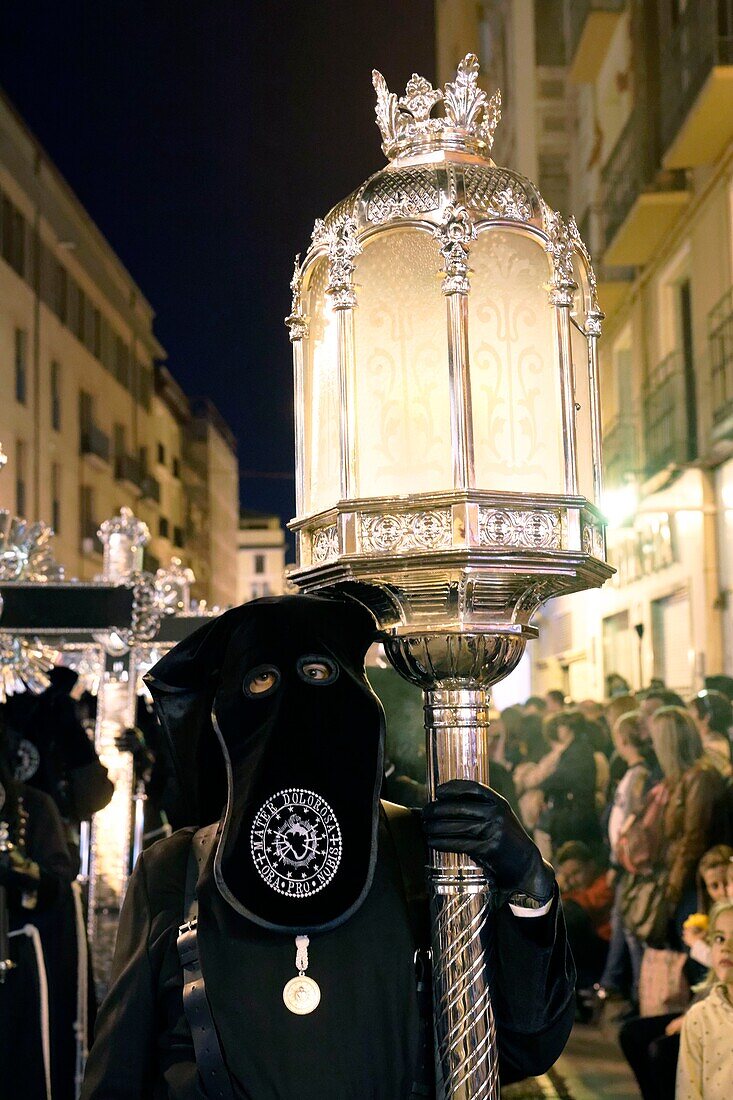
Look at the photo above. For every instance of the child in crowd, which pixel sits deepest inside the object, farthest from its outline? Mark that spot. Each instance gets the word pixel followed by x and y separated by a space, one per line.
pixel 713 873
pixel 651 1043
pixel 705 1068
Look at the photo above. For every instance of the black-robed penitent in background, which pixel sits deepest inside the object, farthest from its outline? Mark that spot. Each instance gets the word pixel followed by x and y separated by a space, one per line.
pixel 324 734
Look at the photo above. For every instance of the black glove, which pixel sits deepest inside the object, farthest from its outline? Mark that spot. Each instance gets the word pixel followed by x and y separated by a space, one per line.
pixel 469 818
pixel 133 740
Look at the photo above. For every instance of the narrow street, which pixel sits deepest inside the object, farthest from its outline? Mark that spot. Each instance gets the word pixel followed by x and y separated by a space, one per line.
pixel 591 1067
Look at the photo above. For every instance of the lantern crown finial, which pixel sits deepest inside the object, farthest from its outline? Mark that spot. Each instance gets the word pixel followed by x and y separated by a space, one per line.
pixel 468 124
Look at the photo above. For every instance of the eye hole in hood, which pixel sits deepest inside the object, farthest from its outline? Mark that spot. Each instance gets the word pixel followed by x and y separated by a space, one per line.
pixel 261 681
pixel 318 670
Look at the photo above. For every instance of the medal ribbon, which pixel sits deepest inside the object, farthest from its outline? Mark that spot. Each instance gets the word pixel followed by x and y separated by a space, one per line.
pixel 301 954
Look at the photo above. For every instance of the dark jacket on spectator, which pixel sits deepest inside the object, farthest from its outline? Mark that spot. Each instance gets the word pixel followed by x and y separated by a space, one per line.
pixel 688 823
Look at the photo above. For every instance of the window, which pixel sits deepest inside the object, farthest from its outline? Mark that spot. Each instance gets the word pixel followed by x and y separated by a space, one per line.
pixel 259 563
pixel 86 411
pixel 56 497
pixel 143 460
pixel 176 467
pixel 21 366
pixel 55 395
pixel 119 439
pixel 61 293
pixel 161 454
pixel 13 236
pixel 122 362
pixel 178 537
pixel 146 385
pixel 97 334
pixel 163 527
pixel 20 477
pixel 81 315
pixel 87 526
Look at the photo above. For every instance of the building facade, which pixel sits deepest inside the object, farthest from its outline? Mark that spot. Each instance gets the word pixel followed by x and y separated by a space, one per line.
pixel 521 47
pixel 85 422
pixel 260 556
pixel 211 477
pixel 650 93
pixel 622 112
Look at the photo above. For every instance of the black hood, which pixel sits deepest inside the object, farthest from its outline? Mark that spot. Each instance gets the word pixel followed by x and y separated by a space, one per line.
pixel 269 706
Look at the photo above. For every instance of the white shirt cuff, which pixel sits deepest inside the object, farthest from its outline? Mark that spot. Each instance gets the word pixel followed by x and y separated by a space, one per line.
pixel 523 911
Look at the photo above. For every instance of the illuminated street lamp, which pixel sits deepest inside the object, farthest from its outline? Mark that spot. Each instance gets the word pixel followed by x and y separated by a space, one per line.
pixel 444 326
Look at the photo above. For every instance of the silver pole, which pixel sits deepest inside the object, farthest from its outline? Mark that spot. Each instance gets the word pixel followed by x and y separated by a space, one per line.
pixel 138 829
pixel 456 725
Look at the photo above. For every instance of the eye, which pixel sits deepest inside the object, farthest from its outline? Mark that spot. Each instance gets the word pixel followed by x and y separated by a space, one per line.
pixel 261 681
pixel 317 670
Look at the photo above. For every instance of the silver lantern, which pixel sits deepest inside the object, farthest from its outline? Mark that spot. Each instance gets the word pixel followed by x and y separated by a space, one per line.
pixel 444 326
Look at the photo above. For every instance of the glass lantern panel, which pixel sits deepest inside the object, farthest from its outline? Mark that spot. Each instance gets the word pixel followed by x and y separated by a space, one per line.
pixel 583 434
pixel 322 481
pixel 581 376
pixel 402 405
pixel 515 377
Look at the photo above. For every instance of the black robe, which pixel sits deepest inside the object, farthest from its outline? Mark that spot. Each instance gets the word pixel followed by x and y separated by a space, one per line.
pixel 359 1044
pixel 21 1075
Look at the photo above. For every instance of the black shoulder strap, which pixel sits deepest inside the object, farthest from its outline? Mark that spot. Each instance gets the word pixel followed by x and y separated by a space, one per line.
pixel 405 829
pixel 209 1058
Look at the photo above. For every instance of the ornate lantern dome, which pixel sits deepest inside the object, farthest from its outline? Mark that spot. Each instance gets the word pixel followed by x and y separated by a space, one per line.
pixel 444 324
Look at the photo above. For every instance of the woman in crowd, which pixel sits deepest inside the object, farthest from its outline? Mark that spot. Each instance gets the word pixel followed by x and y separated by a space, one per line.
pixel 587 899
pixel 695 789
pixel 705 1068
pixel 713 716
pixel 629 741
pixel 615 709
pixel 570 805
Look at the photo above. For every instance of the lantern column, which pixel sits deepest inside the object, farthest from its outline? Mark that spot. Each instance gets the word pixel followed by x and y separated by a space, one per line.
pixel 456 727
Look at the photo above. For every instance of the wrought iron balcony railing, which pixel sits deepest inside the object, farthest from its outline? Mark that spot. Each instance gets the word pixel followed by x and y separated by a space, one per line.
pixel 632 168
pixel 702 39
pixel 625 174
pixel 720 342
pixel 667 440
pixel 620 451
pixel 94 442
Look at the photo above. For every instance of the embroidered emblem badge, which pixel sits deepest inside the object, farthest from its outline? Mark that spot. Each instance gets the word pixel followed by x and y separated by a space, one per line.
pixel 26 761
pixel 296 842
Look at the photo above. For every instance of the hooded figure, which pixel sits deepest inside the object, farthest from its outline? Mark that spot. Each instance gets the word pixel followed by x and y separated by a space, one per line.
pixel 295 922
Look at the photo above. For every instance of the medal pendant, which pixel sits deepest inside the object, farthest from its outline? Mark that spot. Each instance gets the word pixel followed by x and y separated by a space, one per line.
pixel 301 995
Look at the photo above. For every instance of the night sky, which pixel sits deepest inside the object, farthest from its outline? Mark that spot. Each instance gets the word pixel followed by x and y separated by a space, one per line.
pixel 204 138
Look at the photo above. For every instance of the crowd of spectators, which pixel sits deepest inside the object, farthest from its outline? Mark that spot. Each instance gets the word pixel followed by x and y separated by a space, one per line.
pixel 632 802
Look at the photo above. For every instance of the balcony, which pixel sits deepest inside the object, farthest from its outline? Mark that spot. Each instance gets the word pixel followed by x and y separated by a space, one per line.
pixel 620 451
pixel 641 203
pixel 720 343
pixel 697 85
pixel 589 25
pixel 94 446
pixel 667 436
pixel 150 488
pixel 128 470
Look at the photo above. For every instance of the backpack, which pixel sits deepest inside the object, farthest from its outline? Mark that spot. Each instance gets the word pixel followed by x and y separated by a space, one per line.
pixel 639 846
